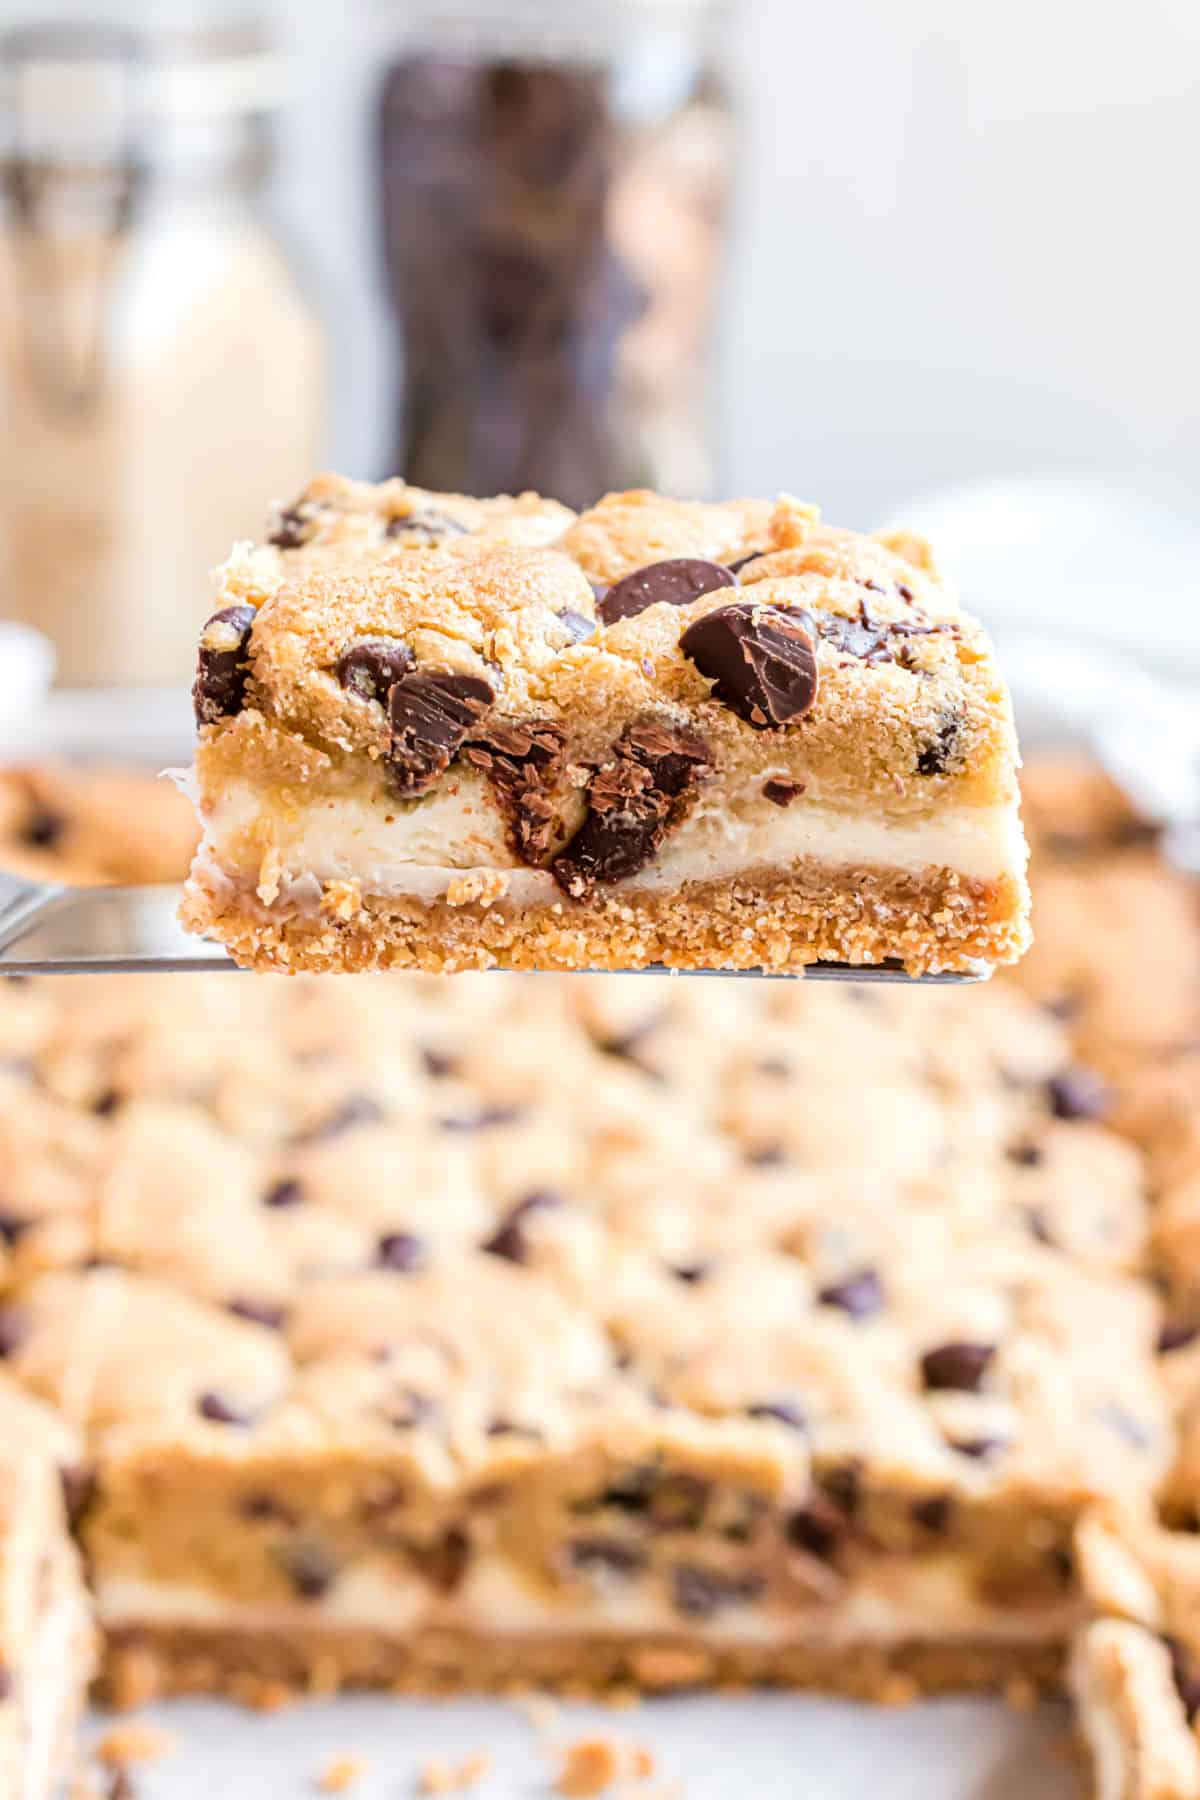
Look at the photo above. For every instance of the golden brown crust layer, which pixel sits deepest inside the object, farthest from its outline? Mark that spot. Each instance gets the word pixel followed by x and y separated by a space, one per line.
pixel 146 1662
pixel 813 914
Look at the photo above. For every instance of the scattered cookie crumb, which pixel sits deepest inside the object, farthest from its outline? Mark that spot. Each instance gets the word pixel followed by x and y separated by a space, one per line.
pixel 133 1743
pixel 440 1776
pixel 341 1774
pixel 593 1765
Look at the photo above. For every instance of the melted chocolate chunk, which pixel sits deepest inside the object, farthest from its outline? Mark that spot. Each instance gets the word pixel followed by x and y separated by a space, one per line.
pixel 523 763
pixel 372 666
pixel 260 1312
pixel 14 1328
pixel 219 690
pixel 933 1513
pixel 310 1569
pixel 692 1273
pixel 284 1193
pixel 632 802
pixel 437 1064
pixel 1176 1334
pixel 816 1528
pixel 295 526
pixel 782 793
pixel 608 1556
pixel 783 1412
pixel 699 1593
pixel 761 660
pixel 578 625
pixel 424 525
pixel 511 1241
pixel 958 1366
pixel 937 756
pixel 432 716
pixel 106 1103
pixel 44 828
pixel 1078 1093
pixel 859 1295
pixel 402 1251
pixel 676 582
pixel 1025 1155
pixel 216 1407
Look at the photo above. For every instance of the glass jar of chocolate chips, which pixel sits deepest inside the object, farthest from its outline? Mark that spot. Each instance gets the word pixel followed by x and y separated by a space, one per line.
pixel 553 182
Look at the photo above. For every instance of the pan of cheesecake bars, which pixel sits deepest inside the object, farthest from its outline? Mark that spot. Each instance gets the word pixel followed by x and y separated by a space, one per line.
pixel 503 1345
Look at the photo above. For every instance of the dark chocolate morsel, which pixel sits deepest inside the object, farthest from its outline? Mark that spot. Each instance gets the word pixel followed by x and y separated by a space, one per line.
pixel 978 1447
pixel 12 1228
pixel 1176 1334
pixel 1186 1677
pixel 761 660
pixel 677 581
pixel 957 1366
pixel 523 763
pixel 1078 1093
pixel 936 757
pixel 219 690
pixel 43 828
pixel 511 1240
pixel 402 1251
pixel 632 801
pixel 260 1312
pixel 372 666
pixel 816 1528
pixel 294 526
pixel 424 525
pixel 698 1593
pixel 432 714
pixel 310 1569
pixel 782 793
pixel 860 1295
pixel 284 1193
pixel 933 1513
pixel 216 1407
pixel 578 625
pixel 606 1556
pixel 445 1563
pixel 356 1109
pixel 783 1412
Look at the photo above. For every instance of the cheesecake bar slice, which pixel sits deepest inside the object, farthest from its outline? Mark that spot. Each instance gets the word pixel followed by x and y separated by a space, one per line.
pixel 446 733
pixel 46 1641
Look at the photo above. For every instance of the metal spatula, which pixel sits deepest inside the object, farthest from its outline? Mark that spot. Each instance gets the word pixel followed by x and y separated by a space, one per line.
pixel 48 929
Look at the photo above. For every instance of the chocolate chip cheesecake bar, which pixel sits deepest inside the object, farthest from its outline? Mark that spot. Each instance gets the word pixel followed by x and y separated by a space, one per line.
pixel 440 1335
pixel 446 733
pixel 46 1639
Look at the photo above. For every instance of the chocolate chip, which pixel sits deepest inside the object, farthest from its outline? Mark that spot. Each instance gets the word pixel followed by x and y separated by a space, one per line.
pixel 44 828
pixel 578 625
pixel 432 715
pixel 511 1240
pixel 295 526
pixel 630 1493
pixel 78 1489
pixel 933 1513
pixel 219 690
pixel 310 1569
pixel 676 582
pixel 356 1109
pixel 503 1426
pixel 768 1156
pixel 958 1366
pixel 106 1103
pixel 816 1528
pixel 486 1119
pixel 260 1312
pixel 1176 1334
pixel 699 1593
pixel 216 1407
pixel 1078 1093
pixel 783 1412
pixel 937 756
pixel 437 1064
pixel 402 1251
pixel 860 1295
pixel 692 1272
pixel 411 1409
pixel 609 1556
pixel 1026 1156
pixel 14 1329
pixel 978 1447
pixel 265 1508
pixel 782 793
pixel 445 1563
pixel 287 1192
pixel 632 802
pixel 679 1501
pixel 372 666
pixel 1185 1676
pixel 12 1228
pixel 523 764
pixel 841 1485
pixel 424 525
pixel 761 661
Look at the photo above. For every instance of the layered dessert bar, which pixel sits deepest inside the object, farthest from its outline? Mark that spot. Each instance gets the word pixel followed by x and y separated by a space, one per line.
pixel 448 734
pixel 445 1336
pixel 46 1639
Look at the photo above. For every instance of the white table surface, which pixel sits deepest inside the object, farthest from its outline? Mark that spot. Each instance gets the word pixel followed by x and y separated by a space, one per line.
pixel 761 1747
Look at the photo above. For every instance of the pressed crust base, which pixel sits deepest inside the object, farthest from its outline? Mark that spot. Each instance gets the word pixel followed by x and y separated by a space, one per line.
pixel 143 1663
pixel 937 921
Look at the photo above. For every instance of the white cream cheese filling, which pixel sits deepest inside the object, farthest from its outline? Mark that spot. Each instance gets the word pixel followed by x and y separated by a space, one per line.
pixel 929 1601
pixel 420 848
